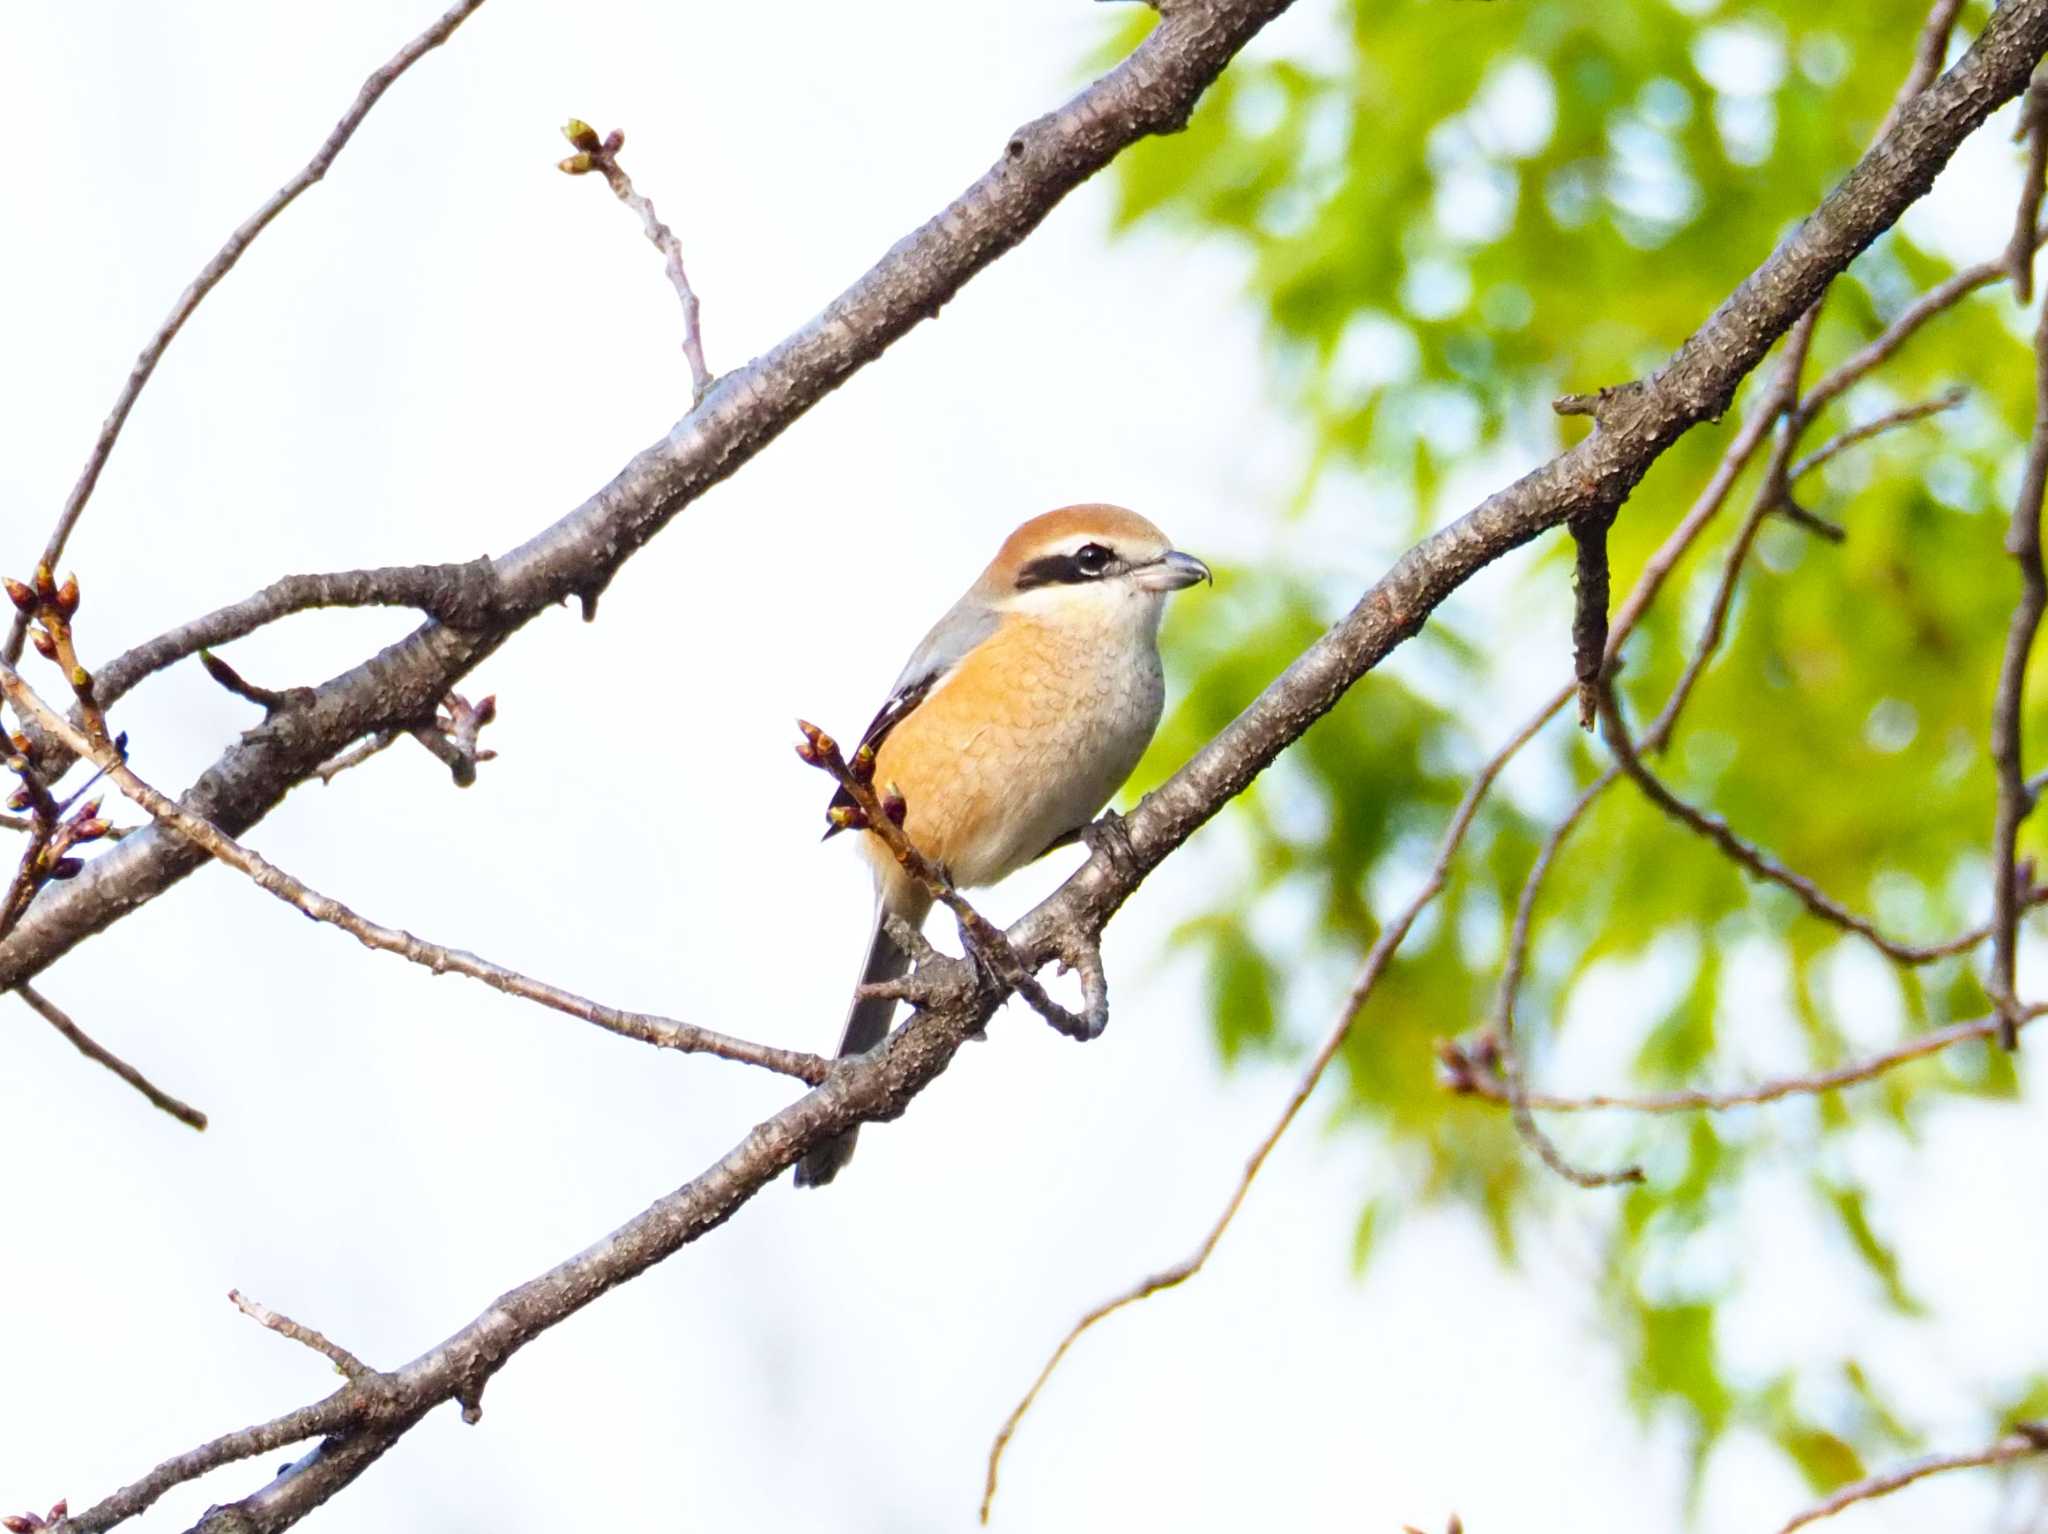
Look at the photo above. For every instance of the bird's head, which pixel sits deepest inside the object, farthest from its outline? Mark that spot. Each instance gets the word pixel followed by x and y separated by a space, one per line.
pixel 1087 559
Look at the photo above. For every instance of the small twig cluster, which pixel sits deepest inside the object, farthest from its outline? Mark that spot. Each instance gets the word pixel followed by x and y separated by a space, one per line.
pixel 55 827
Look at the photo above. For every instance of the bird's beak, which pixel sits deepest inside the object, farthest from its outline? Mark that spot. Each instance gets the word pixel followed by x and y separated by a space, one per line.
pixel 1171 571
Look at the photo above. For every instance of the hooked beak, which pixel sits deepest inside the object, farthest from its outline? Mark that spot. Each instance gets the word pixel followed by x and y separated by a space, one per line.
pixel 1171 571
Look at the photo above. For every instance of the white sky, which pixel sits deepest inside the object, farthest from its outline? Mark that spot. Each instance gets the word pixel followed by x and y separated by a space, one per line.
pixel 437 352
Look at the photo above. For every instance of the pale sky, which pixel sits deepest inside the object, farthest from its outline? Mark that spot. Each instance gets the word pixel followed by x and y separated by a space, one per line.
pixel 437 352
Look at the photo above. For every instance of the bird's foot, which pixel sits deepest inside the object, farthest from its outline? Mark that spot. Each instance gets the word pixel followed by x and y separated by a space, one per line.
pixel 1110 837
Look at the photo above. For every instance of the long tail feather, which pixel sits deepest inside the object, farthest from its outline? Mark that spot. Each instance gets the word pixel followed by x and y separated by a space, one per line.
pixel 867 1024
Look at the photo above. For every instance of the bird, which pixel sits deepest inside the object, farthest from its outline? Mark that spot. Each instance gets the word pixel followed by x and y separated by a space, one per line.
pixel 1020 714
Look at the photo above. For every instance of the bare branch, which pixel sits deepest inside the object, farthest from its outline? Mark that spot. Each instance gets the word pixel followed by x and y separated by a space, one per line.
pixel 1469 1072
pixel 462 596
pixel 1891 420
pixel 222 263
pixel 1937 300
pixel 1510 1056
pixel 1759 862
pixel 1928 54
pixel 2015 803
pixel 662 1032
pixel 2028 1438
pixel 602 155
pixel 345 1363
pixel 81 1041
pixel 355 756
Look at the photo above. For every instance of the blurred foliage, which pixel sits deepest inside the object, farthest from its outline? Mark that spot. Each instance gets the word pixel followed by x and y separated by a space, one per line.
pixel 1451 212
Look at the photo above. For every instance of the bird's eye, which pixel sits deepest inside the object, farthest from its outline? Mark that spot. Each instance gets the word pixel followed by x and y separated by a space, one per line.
pixel 1092 558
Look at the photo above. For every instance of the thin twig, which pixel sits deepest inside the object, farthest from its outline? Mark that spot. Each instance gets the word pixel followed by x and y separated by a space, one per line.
pixel 1891 420
pixel 345 1363
pixel 1471 1076
pixel 1761 863
pixel 1937 300
pixel 664 1033
pixel 602 155
pixel 1928 54
pixel 2026 1439
pixel 1780 402
pixel 1514 1073
pixel 83 1042
pixel 356 755
pixel 210 275
pixel 2023 542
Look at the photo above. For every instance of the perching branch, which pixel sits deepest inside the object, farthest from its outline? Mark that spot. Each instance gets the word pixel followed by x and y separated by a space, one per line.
pixel 210 275
pixel 882 812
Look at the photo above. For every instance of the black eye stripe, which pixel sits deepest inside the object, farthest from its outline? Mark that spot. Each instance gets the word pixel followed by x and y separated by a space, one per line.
pixel 1090 562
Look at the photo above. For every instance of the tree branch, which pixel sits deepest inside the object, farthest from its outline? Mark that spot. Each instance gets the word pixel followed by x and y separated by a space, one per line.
pixel 2028 1438
pixel 662 1032
pixel 84 1043
pixel 1472 1074
pixel 345 1363
pixel 210 275
pixel 2023 542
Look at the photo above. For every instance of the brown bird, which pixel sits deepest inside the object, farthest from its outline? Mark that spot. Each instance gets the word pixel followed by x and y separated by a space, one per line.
pixel 1017 718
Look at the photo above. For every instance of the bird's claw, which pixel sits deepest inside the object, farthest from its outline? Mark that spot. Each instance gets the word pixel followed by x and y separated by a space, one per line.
pixel 1112 839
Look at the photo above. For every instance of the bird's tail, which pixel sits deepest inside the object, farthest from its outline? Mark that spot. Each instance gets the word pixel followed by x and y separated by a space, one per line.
pixel 867 1024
